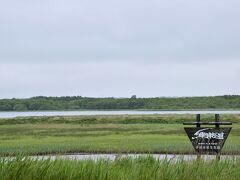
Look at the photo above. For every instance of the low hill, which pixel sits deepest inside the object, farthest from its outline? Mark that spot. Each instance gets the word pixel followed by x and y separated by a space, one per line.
pixel 158 103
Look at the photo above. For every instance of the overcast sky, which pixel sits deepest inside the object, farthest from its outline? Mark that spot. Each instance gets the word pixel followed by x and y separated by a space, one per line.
pixel 119 48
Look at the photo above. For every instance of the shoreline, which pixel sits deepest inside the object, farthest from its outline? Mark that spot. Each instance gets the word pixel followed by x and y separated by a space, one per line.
pixel 124 153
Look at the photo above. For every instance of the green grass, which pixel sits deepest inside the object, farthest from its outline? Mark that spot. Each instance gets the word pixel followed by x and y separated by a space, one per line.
pixel 142 168
pixel 104 134
pixel 117 119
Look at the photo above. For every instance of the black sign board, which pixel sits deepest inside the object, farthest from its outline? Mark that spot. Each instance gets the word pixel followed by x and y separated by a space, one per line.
pixel 208 140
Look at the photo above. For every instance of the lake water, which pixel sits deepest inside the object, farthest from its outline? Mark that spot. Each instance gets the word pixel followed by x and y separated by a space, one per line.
pixel 97 112
pixel 171 157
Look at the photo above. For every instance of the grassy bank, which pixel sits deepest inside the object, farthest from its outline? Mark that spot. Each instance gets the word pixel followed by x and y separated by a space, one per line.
pixel 118 119
pixel 104 134
pixel 120 169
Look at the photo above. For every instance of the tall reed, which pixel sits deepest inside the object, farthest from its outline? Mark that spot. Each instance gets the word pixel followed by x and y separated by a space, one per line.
pixel 25 168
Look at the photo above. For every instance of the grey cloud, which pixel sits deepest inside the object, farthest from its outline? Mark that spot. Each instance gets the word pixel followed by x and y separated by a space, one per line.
pixel 119 48
pixel 185 30
pixel 119 79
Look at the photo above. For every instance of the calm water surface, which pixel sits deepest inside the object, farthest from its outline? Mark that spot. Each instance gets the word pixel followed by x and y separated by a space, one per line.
pixel 172 157
pixel 97 112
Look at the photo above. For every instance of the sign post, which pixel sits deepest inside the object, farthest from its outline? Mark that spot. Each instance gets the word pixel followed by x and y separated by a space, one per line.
pixel 208 140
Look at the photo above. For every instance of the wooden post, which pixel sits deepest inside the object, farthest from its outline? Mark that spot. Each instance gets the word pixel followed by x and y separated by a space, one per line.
pixel 217 119
pixel 198 119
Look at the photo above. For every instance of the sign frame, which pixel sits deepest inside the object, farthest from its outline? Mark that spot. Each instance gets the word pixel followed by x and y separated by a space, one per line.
pixel 208 140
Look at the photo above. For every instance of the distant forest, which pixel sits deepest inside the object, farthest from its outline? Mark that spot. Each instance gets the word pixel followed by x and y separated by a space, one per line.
pixel 84 103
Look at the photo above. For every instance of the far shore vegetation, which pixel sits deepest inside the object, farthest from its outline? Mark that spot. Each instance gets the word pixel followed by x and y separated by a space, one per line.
pixel 111 103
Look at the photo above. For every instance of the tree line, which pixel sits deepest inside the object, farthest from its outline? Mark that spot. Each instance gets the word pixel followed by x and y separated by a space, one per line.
pixel 81 103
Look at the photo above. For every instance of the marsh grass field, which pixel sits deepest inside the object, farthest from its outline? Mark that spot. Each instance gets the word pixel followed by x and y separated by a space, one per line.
pixel 104 134
pixel 142 168
pixel 22 137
